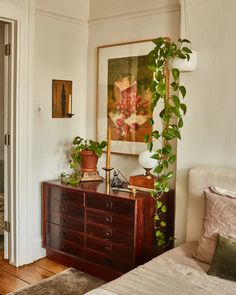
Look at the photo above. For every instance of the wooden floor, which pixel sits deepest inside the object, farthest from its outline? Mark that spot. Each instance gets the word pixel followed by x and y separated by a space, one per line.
pixel 13 278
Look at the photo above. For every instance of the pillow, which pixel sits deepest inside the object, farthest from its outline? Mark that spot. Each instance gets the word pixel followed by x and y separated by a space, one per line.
pixel 219 217
pixel 224 259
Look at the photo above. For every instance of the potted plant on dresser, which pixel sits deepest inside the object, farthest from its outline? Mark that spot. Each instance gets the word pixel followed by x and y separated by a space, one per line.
pixel 168 92
pixel 84 158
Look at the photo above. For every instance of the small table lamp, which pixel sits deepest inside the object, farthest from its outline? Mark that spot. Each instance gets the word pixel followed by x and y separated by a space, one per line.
pixel 146 181
pixel 147 162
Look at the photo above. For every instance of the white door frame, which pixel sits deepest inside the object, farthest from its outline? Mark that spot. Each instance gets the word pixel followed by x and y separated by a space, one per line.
pixel 21 12
pixel 9 96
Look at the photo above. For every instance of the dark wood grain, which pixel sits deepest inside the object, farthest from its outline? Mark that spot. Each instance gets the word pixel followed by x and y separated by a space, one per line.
pixel 103 234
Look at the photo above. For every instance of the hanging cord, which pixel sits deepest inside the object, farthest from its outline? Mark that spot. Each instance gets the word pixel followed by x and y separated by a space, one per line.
pixel 186 22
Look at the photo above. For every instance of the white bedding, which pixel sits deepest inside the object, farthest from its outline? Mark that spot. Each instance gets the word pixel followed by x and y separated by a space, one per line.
pixel 174 272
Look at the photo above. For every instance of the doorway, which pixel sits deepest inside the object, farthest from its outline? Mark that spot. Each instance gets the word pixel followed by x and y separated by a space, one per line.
pixel 2 38
pixel 7 107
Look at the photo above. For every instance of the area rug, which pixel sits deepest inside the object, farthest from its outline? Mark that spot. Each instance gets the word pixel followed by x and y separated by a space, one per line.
pixel 68 282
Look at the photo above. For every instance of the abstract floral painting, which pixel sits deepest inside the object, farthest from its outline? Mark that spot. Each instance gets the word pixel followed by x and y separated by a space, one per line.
pixel 123 95
pixel 129 98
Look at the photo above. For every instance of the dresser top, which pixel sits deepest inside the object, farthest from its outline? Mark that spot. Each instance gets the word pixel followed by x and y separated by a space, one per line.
pixel 100 188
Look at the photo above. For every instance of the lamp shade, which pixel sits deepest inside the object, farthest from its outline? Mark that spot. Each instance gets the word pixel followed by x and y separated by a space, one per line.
pixel 184 65
pixel 146 161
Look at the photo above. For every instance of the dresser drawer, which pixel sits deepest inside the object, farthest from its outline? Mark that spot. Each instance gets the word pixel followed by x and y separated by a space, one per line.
pixel 66 221
pixel 108 218
pixel 65 207
pixel 105 246
pixel 111 204
pixel 116 263
pixel 117 234
pixel 66 194
pixel 66 246
pixel 58 232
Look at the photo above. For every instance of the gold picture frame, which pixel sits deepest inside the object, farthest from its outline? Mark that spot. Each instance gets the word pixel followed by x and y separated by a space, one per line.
pixel 124 63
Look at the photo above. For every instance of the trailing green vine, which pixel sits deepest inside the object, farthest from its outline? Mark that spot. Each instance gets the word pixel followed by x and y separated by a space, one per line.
pixel 167 91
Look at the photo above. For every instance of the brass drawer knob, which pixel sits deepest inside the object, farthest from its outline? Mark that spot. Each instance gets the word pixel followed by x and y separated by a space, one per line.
pixel 108 233
pixel 108 219
pixel 109 204
pixel 108 247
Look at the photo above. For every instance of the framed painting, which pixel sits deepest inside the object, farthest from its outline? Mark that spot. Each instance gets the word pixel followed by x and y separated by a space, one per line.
pixel 61 99
pixel 123 95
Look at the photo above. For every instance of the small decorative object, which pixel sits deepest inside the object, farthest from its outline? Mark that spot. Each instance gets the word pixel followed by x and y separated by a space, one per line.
pixel 84 156
pixel 116 181
pixel 124 96
pixel 147 162
pixel 61 99
pixel 146 181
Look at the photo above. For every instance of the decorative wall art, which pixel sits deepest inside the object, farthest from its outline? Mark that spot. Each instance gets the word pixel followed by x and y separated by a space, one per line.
pixel 123 95
pixel 61 99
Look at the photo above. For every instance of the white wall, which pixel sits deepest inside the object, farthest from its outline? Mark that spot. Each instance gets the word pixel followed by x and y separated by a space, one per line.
pixel 61 43
pixel 78 9
pixel 209 136
pixel 1 91
pixel 123 21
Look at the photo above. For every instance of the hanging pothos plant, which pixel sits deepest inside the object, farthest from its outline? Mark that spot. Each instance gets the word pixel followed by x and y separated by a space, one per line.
pixel 168 92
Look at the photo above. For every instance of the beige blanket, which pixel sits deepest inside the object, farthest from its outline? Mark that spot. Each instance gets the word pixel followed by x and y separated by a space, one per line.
pixel 173 273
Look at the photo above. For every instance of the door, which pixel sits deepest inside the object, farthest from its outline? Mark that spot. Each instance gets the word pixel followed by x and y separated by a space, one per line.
pixel 9 103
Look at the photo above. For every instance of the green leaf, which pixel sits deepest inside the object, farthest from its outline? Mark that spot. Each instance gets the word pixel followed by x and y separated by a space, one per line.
pixel 164 209
pixel 156 217
pixel 163 223
pixel 146 138
pixel 177 133
pixel 156 134
pixel 151 67
pixel 184 41
pixel 172 159
pixel 182 90
pixel 175 73
pixel 180 123
pixel 181 55
pixel 175 85
pixel 161 242
pixel 153 86
pixel 159 233
pixel 158 170
pixel 158 75
pixel 169 175
pixel 103 144
pixel 186 49
pixel 155 156
pixel 176 100
pixel 150 146
pixel 151 121
pixel 153 193
pixel 183 107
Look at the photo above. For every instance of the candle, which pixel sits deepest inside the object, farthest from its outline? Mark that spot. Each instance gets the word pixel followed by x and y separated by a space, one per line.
pixel 69 105
pixel 108 159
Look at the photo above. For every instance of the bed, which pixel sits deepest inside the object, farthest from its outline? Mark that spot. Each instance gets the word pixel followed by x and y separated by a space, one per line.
pixel 176 271
pixel 1 214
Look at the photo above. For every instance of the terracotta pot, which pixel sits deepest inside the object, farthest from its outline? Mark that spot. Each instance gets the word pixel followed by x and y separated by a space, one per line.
pixel 88 161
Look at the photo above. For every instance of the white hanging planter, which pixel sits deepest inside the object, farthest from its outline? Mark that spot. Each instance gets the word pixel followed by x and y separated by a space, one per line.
pixel 184 65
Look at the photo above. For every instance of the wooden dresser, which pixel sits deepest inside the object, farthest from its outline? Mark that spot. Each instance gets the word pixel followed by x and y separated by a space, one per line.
pixel 104 234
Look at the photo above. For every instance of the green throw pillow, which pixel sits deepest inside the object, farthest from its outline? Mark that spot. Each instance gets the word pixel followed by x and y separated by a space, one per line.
pixel 224 260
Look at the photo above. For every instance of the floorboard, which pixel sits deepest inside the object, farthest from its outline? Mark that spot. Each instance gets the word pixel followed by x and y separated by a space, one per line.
pixel 13 278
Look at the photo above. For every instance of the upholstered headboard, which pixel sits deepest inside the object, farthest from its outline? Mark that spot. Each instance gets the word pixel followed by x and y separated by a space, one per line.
pixel 199 179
